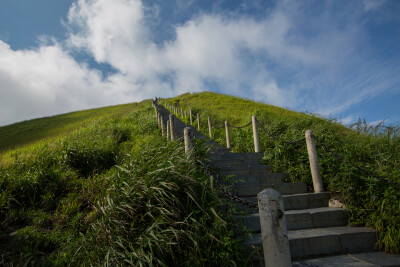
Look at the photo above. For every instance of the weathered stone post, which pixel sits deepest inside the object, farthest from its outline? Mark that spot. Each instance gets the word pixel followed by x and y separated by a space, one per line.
pixel 273 229
pixel 198 121
pixel 162 126
pixel 312 155
pixel 255 134
pixel 228 137
pixel 188 142
pixel 172 126
pixel 209 127
pixel 191 117
pixel 182 113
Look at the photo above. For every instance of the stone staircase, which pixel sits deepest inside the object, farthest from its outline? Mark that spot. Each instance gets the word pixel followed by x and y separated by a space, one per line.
pixel 314 229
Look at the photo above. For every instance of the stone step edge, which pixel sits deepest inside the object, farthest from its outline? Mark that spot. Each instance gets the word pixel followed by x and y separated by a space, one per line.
pixel 325 241
pixel 300 197
pixel 311 218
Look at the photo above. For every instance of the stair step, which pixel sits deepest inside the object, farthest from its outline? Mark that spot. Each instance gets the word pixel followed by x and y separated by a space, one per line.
pixel 300 201
pixel 218 163
pixel 248 189
pixel 302 219
pixel 306 201
pixel 325 241
pixel 267 178
pixel 245 169
pixel 229 156
pixel 367 259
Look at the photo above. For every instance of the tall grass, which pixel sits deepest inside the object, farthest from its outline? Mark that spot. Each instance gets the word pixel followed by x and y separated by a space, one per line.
pixel 113 193
pixel 370 202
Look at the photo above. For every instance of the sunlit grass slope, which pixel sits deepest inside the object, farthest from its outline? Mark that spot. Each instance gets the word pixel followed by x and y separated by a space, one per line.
pixel 375 149
pixel 112 192
pixel 27 132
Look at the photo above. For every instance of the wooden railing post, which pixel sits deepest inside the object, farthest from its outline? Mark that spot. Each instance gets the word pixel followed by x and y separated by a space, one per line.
pixel 312 155
pixel 273 229
pixel 162 126
pixel 198 121
pixel 188 142
pixel 255 134
pixel 172 126
pixel 228 138
pixel 209 127
pixel 191 117
pixel 168 134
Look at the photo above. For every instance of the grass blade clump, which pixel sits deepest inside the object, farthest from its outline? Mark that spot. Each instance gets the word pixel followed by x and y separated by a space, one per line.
pixel 162 211
pixel 112 193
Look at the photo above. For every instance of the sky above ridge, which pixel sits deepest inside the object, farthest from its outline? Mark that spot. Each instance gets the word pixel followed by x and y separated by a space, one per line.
pixel 339 59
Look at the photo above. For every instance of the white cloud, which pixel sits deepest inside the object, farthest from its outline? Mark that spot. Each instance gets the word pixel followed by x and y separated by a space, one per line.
pixel 48 81
pixel 289 58
pixel 208 47
pixel 372 4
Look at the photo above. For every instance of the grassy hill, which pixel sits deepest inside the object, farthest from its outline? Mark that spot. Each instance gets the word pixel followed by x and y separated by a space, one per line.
pixel 26 132
pixel 102 187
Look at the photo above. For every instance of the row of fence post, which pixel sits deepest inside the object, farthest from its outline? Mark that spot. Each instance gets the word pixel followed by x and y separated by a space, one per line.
pixel 270 202
pixel 309 136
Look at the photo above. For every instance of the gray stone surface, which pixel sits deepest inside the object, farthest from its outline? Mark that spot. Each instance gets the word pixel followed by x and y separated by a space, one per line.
pixel 245 170
pixel 291 188
pixel 376 258
pixel 312 245
pixel 316 200
pixel 262 179
pixel 296 202
pixel 356 239
pixel 327 217
pixel 222 153
pixel 332 261
pixel 302 219
pixel 324 241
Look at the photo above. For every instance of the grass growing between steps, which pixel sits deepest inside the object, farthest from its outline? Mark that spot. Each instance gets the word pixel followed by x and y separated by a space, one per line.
pixel 112 193
pixel 369 201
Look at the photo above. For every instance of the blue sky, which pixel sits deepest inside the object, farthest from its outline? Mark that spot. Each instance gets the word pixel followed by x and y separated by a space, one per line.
pixel 339 59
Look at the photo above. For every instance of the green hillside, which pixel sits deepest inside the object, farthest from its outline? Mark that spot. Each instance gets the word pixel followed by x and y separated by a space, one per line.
pixel 26 132
pixel 102 187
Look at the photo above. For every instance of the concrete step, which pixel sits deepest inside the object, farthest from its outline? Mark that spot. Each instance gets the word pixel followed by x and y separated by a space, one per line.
pixel 325 241
pixel 245 169
pixel 249 189
pixel 253 179
pixel 367 259
pixel 302 219
pixel 228 156
pixel 300 201
pixel 218 163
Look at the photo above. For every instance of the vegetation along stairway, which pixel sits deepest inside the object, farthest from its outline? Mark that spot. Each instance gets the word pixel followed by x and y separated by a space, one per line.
pixel 317 233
